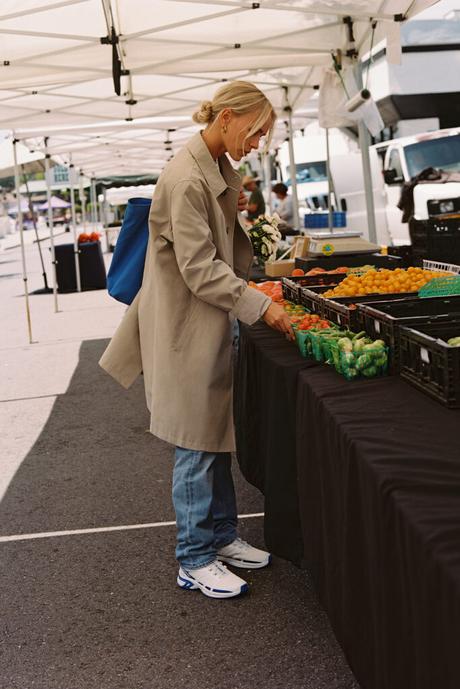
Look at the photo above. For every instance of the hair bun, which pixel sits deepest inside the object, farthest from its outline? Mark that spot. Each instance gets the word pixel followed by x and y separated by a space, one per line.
pixel 204 114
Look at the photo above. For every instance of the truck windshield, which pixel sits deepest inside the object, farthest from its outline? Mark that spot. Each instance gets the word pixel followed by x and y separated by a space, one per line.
pixel 309 172
pixel 439 153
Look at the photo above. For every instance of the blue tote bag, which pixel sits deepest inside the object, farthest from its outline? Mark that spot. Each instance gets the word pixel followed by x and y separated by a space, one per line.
pixel 124 278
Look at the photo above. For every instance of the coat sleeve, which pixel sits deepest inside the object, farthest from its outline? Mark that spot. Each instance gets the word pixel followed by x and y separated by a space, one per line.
pixel 208 277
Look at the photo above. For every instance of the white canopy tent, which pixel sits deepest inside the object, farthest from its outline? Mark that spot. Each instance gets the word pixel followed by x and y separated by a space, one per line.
pixel 32 162
pixel 168 55
pixel 129 60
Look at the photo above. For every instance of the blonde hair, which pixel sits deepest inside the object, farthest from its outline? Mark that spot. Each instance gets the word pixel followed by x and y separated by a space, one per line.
pixel 241 97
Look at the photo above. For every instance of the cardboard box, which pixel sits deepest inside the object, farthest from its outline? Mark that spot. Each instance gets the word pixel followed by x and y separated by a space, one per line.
pixel 279 269
pixel 300 247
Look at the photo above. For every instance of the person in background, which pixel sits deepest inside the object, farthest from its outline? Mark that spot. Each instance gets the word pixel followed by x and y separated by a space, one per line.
pixel 284 209
pixel 256 203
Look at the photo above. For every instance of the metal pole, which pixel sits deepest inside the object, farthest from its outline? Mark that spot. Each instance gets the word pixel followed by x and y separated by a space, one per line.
pixel 74 227
pixel 330 216
pixel 45 289
pixel 105 227
pixel 364 143
pixel 81 193
pixel 93 204
pixel 96 204
pixel 292 168
pixel 21 234
pixel 51 223
pixel 268 179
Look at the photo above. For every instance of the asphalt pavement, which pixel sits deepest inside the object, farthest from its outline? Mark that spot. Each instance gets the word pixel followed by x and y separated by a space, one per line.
pixel 88 592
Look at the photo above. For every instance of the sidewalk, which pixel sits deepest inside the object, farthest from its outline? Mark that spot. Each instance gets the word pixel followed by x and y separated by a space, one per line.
pixel 87 531
pixel 13 241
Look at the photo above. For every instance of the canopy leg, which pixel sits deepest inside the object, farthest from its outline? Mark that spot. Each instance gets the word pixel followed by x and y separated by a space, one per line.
pixel 76 250
pixel 21 234
pixel 51 223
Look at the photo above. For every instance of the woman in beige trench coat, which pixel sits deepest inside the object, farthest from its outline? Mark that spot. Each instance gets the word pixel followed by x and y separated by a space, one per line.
pixel 179 330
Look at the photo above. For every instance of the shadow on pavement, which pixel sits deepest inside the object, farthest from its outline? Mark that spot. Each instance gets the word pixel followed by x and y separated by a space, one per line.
pixel 102 611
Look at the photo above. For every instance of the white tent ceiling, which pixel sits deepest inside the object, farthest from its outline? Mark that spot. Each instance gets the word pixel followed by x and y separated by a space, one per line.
pixel 31 162
pixel 55 71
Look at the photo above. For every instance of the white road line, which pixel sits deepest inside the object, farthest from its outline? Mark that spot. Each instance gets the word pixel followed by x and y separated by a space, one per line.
pixel 102 529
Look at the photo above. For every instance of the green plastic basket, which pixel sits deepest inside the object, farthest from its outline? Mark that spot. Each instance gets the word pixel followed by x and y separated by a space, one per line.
pixel 441 287
pixel 316 348
pixel 303 342
pixel 351 364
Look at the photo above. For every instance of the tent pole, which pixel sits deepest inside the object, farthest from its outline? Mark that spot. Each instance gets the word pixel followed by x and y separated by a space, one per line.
pixel 21 234
pixel 93 204
pixel 364 143
pixel 292 168
pixel 74 226
pixel 51 223
pixel 96 205
pixel 104 218
pixel 45 289
pixel 81 193
pixel 330 216
pixel 268 180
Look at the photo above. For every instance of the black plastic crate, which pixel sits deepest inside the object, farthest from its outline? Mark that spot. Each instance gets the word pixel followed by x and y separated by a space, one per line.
pixel 435 239
pixel 342 310
pixel 291 285
pixel 345 310
pixel 404 252
pixel 312 299
pixel 348 260
pixel 382 320
pixel 429 363
pixel 290 290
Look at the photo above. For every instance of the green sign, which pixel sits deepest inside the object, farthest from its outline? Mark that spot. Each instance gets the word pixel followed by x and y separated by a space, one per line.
pixel 60 174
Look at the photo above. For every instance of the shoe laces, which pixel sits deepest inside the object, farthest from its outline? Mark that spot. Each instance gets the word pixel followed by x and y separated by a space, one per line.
pixel 240 541
pixel 218 568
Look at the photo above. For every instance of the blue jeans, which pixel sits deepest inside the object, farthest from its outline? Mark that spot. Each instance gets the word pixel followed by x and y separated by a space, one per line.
pixel 205 505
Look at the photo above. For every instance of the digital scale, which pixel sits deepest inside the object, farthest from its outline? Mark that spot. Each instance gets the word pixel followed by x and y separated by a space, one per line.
pixel 328 243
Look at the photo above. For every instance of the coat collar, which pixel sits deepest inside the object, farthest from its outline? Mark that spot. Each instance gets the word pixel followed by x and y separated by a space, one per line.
pixel 218 179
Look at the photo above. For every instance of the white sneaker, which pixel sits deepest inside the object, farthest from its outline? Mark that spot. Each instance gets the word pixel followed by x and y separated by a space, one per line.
pixel 214 581
pixel 241 554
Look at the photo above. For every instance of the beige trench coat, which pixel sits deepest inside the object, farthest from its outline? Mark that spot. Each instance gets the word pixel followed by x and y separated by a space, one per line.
pixel 178 330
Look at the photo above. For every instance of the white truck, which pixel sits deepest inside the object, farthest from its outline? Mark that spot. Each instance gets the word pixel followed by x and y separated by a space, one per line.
pixel 392 164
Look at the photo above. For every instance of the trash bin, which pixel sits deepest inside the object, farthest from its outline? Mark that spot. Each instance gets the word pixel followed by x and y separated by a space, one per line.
pixel 92 268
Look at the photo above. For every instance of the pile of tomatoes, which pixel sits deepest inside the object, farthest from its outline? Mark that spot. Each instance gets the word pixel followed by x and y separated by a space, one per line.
pixel 303 320
pixel 83 237
pixel 271 289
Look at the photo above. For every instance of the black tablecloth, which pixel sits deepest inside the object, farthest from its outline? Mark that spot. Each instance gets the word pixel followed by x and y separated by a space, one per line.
pixel 265 420
pixel 374 483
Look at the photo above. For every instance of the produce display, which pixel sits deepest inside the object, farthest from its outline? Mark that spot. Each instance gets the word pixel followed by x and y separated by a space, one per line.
pixel 330 336
pixel 356 355
pixel 382 282
pixel 83 237
pixel 270 288
pixel 302 320
pixel 353 355
pixel 298 272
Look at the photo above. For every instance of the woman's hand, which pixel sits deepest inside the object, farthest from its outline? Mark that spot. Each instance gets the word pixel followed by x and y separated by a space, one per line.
pixel 276 317
pixel 242 201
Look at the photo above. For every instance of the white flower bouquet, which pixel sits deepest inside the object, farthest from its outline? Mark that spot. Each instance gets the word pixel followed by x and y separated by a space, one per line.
pixel 265 236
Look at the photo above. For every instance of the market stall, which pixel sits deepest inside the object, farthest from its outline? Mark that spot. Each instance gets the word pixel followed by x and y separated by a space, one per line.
pixel 360 469
pixel 362 485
